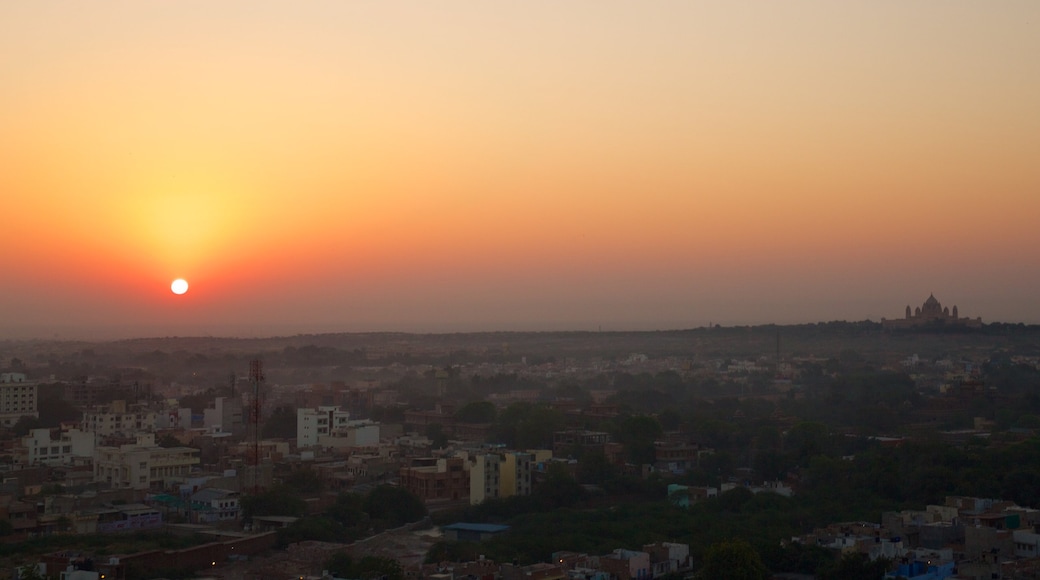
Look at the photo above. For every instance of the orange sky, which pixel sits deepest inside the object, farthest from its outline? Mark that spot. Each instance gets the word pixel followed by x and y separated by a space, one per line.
pixel 510 166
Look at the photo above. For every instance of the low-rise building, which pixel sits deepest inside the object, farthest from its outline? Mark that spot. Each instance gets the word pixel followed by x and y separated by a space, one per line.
pixel 55 447
pixel 119 419
pixel 314 423
pixel 142 465
pixel 444 479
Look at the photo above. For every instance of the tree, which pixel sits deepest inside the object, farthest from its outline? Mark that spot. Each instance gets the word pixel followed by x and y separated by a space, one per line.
pixel 477 412
pixel 280 501
pixel 373 567
pixel 732 560
pixel 438 438
pixel 339 565
pixel 855 566
pixel 394 506
pixel 167 440
pixel 281 424
pixel 25 424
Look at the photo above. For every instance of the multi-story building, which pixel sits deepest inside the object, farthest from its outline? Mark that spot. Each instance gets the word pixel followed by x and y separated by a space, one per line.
pixel 579 440
pixel 17 398
pixel 119 419
pixel 499 474
pixel 226 414
pixel 363 433
pixel 41 447
pixel 142 465
pixel 444 479
pixel 314 423
pixel 484 477
pixel 516 473
pixel 210 505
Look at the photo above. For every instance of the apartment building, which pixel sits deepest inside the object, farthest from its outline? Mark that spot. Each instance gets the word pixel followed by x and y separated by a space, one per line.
pixel 17 398
pixel 119 418
pixel 56 447
pixel 142 465
pixel 321 421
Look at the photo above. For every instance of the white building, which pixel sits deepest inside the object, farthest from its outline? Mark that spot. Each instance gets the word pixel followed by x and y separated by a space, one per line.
pixel 314 423
pixel 362 433
pixel 43 449
pixel 17 398
pixel 215 505
pixel 142 465
pixel 119 419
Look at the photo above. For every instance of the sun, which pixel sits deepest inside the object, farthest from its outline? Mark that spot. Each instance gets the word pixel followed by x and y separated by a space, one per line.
pixel 179 286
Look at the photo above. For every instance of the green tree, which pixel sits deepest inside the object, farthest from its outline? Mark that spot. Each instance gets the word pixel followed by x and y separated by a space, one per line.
pixel 477 412
pixel 24 424
pixel 339 565
pixel 438 438
pixel 281 424
pixel 373 567
pixel 855 566
pixel 393 506
pixel 305 482
pixel 732 560
pixel 279 501
pixel 167 440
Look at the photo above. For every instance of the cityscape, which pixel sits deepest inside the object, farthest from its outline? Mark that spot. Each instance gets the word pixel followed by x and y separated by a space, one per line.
pixel 585 290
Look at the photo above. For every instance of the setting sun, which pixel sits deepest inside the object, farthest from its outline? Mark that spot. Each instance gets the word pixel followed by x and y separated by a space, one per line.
pixel 179 286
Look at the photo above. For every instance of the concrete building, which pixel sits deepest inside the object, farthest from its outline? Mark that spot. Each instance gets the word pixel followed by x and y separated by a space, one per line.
pixel 54 447
pixel 572 440
pixel 626 564
pixel 361 433
pixel 119 418
pixel 142 465
pixel 225 414
pixel 17 398
pixel 516 472
pixel 499 474
pixel 314 423
pixel 484 477
pixel 444 479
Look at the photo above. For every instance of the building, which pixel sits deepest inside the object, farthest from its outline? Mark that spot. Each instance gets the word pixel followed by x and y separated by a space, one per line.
pixel 17 398
pixel 484 477
pixel 209 505
pixel 142 465
pixel 931 314
pixel 119 419
pixel 444 479
pixel 314 423
pixel 226 415
pixel 54 447
pixel 361 433
pixel 500 474
pixel 466 532
pixel 626 564
pixel 516 473
pixel 578 439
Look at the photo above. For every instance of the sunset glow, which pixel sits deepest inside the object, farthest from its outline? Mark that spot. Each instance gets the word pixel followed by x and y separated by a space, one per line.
pixel 482 166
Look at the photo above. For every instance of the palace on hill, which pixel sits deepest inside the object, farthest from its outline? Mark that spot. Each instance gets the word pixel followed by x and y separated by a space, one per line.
pixel 931 313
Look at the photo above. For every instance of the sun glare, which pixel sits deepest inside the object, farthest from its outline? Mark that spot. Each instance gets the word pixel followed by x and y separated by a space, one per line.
pixel 179 286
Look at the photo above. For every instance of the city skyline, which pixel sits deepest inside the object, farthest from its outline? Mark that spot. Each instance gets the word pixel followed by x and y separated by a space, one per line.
pixel 339 167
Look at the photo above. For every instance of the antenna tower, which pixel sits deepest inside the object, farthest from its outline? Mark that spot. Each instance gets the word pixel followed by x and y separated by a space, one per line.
pixel 256 376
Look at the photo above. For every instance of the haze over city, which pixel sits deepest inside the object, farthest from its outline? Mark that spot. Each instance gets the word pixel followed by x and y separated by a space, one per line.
pixel 410 166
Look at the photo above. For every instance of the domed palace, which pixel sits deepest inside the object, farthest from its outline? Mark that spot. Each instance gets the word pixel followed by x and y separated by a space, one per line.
pixel 931 313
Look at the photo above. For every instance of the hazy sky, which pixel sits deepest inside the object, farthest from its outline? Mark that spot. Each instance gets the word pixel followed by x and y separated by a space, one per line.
pixel 515 165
